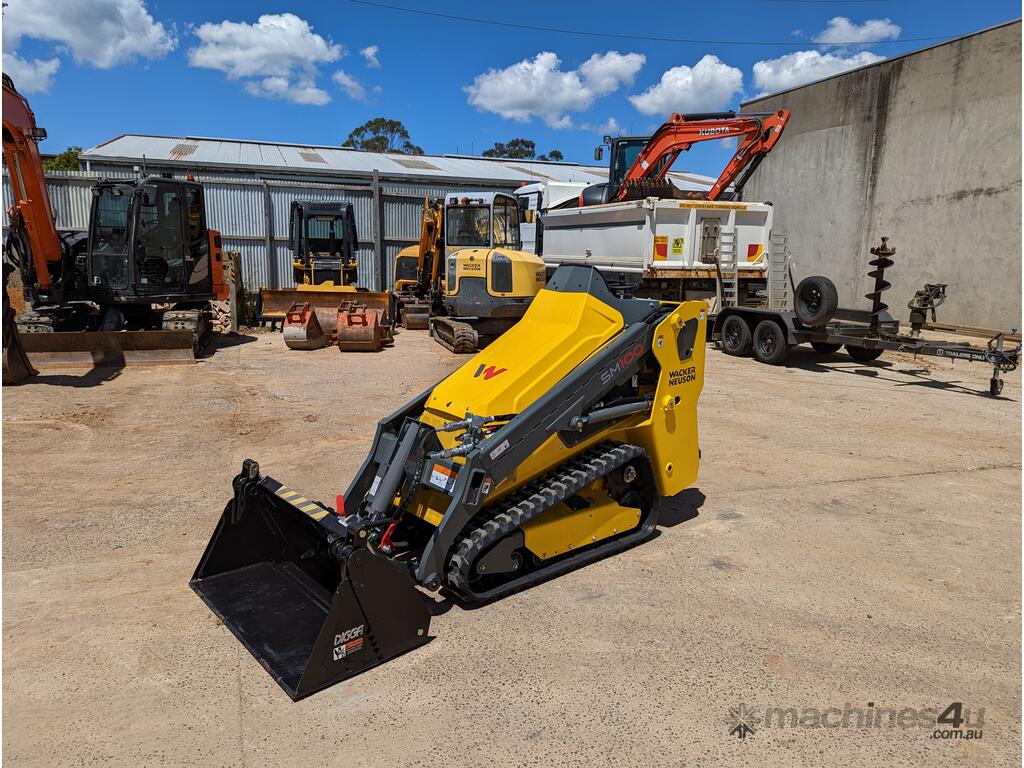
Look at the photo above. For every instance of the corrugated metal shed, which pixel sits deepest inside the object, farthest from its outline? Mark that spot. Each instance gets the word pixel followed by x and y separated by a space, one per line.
pixel 312 159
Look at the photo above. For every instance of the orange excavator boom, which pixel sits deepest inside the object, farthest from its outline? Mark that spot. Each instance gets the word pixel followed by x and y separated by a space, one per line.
pixel 756 135
pixel 31 207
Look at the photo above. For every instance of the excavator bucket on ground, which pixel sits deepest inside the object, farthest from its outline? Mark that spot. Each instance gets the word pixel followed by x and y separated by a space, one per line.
pixel 285 576
pixel 364 327
pixel 302 329
pixel 16 365
pixel 548 451
pixel 101 349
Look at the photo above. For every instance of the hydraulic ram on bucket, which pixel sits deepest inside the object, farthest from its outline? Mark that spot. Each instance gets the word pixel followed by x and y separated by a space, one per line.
pixel 302 592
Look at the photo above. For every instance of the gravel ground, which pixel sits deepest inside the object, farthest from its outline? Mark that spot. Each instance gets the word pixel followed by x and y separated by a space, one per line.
pixel 853 543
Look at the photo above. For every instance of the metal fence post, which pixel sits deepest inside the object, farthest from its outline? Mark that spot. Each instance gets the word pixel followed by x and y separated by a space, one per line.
pixel 268 236
pixel 379 251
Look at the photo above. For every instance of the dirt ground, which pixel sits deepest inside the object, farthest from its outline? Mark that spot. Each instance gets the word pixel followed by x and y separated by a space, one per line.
pixel 853 543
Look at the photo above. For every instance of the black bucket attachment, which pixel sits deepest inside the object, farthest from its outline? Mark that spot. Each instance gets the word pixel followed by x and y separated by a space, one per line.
pixel 283 575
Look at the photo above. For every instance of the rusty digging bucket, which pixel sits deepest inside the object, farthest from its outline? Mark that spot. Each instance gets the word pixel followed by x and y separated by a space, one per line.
pixel 302 327
pixel 415 316
pixel 364 327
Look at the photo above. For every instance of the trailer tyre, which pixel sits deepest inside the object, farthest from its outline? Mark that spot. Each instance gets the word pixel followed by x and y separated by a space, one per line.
pixel 815 300
pixel 736 338
pixel 825 347
pixel 863 354
pixel 770 344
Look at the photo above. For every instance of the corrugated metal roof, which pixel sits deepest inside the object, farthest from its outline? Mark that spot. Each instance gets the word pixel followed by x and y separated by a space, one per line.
pixel 199 152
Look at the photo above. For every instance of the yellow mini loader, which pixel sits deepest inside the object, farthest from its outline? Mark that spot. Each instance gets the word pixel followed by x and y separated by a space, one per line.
pixel 547 451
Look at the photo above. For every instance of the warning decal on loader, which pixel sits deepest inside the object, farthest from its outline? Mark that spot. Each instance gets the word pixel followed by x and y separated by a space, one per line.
pixel 442 478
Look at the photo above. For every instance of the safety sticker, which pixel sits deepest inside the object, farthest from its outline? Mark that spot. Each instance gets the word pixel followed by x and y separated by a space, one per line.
pixel 661 247
pixel 677 246
pixel 375 485
pixel 499 450
pixel 443 478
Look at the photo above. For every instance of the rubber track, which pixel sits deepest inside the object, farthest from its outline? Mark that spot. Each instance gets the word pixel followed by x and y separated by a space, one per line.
pixel 542 494
pixel 458 337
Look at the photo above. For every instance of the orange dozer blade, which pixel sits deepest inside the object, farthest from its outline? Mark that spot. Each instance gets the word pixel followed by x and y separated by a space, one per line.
pixel 302 329
pixel 109 349
pixel 277 302
pixel 363 328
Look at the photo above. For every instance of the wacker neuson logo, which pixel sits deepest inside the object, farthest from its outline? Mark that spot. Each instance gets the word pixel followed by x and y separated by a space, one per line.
pixel 953 721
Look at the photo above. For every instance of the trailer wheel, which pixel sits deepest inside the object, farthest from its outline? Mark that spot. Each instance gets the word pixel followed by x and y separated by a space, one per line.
pixel 736 339
pixel 995 387
pixel 770 345
pixel 863 354
pixel 825 347
pixel 815 300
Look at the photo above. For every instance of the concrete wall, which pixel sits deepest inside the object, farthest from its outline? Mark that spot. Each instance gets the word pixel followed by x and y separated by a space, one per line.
pixel 926 149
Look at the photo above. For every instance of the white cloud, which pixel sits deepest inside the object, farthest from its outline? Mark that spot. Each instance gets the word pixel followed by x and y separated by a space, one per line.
pixel 370 54
pixel 301 91
pixel 101 33
pixel 280 52
pixel 349 85
pixel 793 69
pixel 609 127
pixel 841 31
pixel 35 76
pixel 709 85
pixel 538 87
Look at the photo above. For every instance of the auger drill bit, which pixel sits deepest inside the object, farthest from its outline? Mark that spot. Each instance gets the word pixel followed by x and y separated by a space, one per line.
pixel 881 262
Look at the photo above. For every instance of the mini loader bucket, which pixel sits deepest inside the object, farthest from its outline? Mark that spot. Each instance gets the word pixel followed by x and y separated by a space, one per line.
pixel 301 593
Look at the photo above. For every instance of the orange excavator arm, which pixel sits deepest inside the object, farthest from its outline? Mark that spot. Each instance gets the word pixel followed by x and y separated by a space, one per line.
pixel 31 210
pixel 757 134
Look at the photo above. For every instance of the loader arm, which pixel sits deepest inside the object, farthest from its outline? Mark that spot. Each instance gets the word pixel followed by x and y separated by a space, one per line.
pixel 31 214
pixel 757 135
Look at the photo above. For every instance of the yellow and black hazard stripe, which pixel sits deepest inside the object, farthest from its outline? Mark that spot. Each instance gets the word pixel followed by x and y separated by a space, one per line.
pixel 301 503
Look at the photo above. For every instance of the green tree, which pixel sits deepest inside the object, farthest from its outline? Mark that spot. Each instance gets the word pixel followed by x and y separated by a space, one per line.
pixel 382 135
pixel 520 149
pixel 65 161
pixel 516 149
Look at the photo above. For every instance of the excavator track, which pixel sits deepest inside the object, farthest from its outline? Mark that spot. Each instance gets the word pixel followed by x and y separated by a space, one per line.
pixel 528 503
pixel 457 336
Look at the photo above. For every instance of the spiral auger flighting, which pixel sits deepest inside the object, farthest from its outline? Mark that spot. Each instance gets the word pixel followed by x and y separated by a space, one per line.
pixel 883 260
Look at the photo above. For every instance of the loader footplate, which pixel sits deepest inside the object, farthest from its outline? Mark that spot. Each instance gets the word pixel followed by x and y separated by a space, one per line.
pixel 486 533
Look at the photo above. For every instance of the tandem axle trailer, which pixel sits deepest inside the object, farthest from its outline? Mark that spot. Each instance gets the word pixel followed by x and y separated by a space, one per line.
pixel 815 319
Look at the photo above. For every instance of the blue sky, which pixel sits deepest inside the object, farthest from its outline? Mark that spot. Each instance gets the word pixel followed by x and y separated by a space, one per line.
pixel 262 70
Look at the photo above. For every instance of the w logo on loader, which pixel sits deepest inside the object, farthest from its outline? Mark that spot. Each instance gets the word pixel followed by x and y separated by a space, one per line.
pixel 488 372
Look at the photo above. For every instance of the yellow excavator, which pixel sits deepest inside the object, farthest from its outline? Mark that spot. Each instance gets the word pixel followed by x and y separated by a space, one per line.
pixel 467 279
pixel 547 451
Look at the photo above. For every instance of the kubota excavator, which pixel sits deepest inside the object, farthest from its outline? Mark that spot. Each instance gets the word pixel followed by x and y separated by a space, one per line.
pixel 547 451
pixel 638 164
pixel 93 296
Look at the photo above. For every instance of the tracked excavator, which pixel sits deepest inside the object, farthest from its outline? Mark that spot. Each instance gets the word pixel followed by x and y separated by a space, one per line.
pixel 135 288
pixel 547 451
pixel 471 281
pixel 638 165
